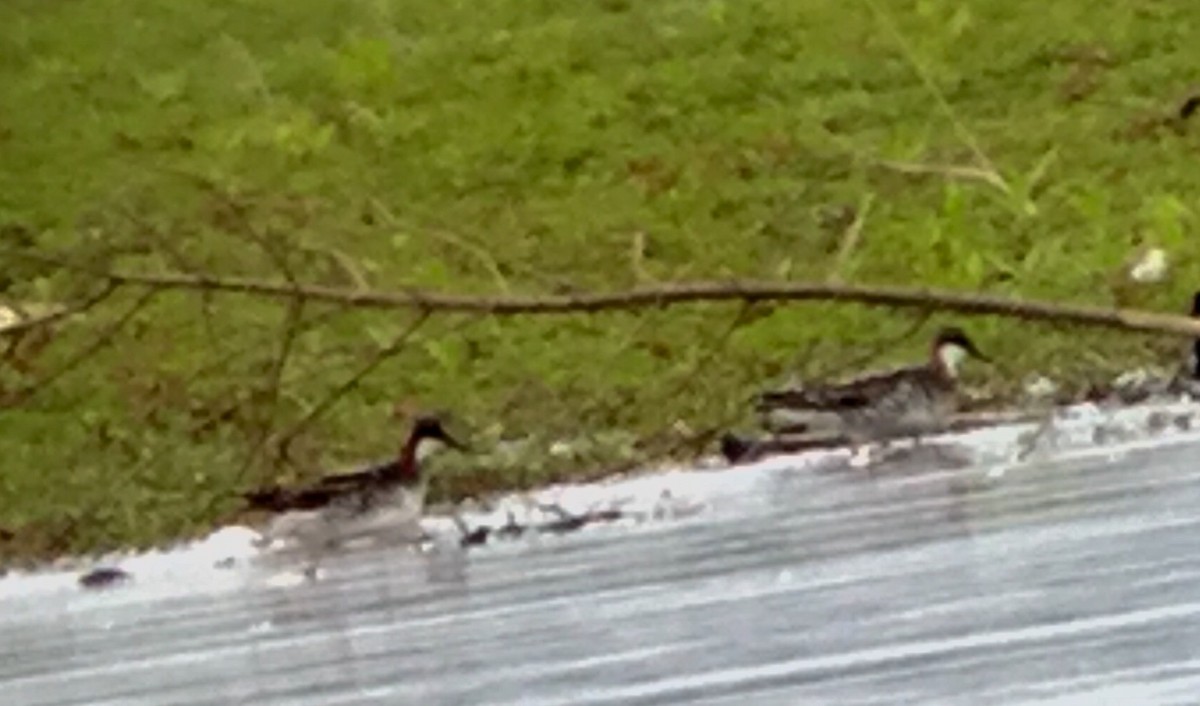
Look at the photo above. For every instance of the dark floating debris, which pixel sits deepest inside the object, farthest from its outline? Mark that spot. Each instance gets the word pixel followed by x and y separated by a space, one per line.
pixel 473 537
pixel 563 523
pixel 104 577
pixel 510 530
pixel 567 522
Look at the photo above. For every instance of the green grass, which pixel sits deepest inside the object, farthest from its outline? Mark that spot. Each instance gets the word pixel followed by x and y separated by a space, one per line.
pixel 525 147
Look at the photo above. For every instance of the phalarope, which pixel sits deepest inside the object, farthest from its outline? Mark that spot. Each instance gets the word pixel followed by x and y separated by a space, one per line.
pixel 383 501
pixel 909 401
pixel 1187 379
pixel 1193 359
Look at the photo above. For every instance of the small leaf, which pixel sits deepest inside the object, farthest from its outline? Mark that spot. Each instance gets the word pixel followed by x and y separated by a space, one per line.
pixel 380 335
pixel 974 266
pixel 960 21
pixel 164 86
pixel 1039 170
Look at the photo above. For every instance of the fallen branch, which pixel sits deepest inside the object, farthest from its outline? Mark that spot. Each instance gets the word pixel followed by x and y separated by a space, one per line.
pixel 680 293
pixel 747 291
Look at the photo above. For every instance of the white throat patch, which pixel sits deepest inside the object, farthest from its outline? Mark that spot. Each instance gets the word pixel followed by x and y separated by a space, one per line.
pixel 951 356
pixel 430 446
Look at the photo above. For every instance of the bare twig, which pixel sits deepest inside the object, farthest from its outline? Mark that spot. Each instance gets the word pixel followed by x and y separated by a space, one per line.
pixel 350 383
pixel 481 254
pixel 343 262
pixel 949 171
pixel 637 258
pixel 247 230
pixel 850 239
pixel 228 358
pixel 939 97
pixel 699 439
pixel 103 339
pixel 166 245
pixel 715 347
pixel 180 261
pixel 292 328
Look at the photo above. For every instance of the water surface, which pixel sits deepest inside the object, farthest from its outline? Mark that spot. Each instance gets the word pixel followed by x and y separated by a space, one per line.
pixel 1069 578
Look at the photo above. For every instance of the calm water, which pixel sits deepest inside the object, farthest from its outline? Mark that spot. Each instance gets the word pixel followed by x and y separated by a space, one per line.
pixel 1074 579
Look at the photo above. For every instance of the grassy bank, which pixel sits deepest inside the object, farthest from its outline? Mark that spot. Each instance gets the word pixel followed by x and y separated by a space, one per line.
pixel 524 147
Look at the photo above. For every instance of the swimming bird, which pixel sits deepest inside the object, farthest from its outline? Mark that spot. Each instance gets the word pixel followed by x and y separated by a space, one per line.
pixel 1186 380
pixel 1193 361
pixel 385 501
pixel 908 401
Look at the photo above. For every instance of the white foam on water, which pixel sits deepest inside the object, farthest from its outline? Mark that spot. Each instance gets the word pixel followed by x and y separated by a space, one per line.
pixel 229 557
